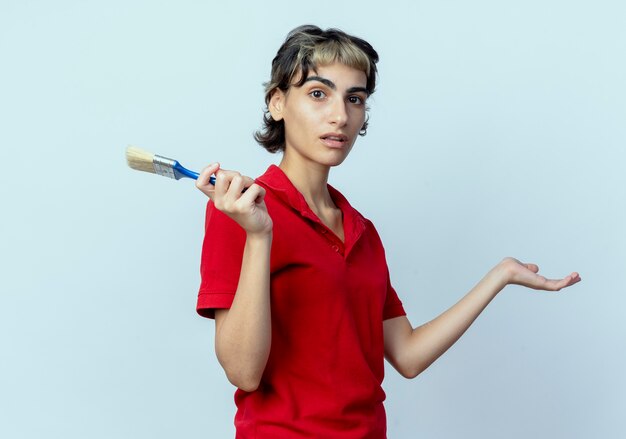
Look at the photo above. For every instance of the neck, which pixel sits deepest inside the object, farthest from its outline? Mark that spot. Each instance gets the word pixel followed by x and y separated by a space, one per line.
pixel 310 179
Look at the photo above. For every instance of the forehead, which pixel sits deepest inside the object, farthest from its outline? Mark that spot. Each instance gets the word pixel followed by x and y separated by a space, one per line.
pixel 342 75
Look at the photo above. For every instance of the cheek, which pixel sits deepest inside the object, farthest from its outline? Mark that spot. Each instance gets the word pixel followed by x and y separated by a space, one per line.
pixel 359 117
pixel 304 119
pixel 296 125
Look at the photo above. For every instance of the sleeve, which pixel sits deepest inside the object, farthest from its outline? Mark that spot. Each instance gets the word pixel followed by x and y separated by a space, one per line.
pixel 220 264
pixel 393 306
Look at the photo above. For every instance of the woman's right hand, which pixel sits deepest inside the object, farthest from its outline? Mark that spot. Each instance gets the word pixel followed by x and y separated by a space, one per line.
pixel 246 208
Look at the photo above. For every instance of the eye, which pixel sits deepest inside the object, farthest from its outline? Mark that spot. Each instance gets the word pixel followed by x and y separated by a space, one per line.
pixel 317 94
pixel 358 100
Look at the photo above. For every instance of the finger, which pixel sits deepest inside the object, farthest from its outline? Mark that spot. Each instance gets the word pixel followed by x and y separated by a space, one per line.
pixel 254 194
pixel 243 183
pixel 559 284
pixel 532 267
pixel 228 187
pixel 247 181
pixel 203 182
pixel 205 174
pixel 570 280
pixel 573 278
pixel 222 182
pixel 246 199
pixel 235 188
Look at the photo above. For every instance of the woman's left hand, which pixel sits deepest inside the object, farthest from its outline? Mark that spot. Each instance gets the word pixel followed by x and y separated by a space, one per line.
pixel 527 275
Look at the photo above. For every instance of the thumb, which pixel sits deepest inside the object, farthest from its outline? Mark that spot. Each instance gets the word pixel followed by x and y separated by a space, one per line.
pixel 532 267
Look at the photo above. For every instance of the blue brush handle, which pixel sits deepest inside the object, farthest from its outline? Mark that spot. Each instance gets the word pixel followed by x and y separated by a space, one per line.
pixel 180 171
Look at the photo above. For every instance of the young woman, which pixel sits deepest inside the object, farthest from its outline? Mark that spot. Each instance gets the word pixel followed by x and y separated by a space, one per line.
pixel 296 278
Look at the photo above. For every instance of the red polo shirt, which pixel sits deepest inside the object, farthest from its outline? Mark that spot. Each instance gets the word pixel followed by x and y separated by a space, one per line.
pixel 329 299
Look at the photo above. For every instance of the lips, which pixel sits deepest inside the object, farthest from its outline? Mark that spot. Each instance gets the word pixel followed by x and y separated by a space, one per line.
pixel 334 140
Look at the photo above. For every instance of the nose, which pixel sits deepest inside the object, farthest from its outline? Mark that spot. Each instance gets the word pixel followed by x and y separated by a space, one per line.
pixel 339 113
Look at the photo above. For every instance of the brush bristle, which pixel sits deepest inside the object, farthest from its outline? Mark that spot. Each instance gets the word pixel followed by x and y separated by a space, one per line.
pixel 140 160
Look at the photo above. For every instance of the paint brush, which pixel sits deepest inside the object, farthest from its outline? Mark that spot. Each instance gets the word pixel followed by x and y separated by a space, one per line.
pixel 145 161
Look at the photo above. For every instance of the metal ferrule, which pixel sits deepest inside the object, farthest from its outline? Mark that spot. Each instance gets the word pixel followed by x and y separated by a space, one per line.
pixel 164 166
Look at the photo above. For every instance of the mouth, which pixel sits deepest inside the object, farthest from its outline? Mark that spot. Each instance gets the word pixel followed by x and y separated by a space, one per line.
pixel 334 140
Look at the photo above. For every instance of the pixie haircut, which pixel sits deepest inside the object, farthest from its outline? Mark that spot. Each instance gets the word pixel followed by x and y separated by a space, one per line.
pixel 305 48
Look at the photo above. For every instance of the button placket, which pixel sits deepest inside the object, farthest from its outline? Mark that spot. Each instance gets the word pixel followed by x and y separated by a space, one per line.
pixel 330 238
pixel 335 244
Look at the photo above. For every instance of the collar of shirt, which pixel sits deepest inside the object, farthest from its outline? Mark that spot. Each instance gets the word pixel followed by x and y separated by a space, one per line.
pixel 354 223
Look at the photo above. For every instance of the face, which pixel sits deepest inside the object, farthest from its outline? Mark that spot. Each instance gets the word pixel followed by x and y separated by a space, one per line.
pixel 322 117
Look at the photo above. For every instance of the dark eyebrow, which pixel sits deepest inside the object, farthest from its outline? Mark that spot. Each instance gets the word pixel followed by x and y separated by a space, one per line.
pixel 331 84
pixel 326 82
pixel 358 89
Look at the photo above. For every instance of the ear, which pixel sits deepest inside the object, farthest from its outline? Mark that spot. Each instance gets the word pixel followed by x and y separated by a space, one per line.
pixel 276 104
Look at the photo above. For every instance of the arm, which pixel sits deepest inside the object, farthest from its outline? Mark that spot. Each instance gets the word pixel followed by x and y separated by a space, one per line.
pixel 243 332
pixel 411 351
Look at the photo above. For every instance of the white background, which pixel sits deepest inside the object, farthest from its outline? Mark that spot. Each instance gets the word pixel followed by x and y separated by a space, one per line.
pixel 498 128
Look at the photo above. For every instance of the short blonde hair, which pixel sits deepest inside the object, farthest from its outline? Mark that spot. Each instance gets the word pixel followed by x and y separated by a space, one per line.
pixel 305 48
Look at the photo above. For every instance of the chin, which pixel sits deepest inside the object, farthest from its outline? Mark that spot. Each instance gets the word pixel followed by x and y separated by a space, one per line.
pixel 338 157
pixel 335 161
pixel 338 162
